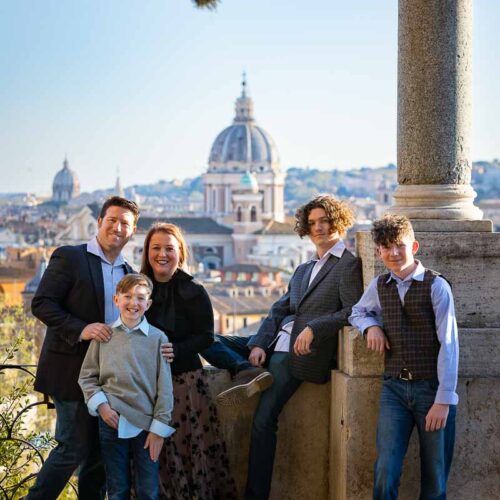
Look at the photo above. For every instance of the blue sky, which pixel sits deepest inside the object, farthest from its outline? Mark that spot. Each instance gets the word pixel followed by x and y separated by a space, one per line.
pixel 146 86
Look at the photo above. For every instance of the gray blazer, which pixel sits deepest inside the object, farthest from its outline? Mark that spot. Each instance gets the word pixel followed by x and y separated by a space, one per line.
pixel 324 306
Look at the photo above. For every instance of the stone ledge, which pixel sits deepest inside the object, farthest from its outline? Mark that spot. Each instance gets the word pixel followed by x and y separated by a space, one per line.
pixel 479 354
pixel 452 226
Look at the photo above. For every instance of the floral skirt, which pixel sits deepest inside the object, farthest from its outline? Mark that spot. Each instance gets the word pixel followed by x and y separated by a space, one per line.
pixel 193 461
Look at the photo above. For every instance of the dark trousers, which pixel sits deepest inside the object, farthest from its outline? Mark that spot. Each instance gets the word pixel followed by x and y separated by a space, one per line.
pixel 116 454
pixel 77 446
pixel 228 353
pixel 403 406
pixel 265 427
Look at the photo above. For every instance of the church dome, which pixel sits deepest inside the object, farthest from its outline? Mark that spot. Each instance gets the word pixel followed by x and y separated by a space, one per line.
pixel 249 182
pixel 66 184
pixel 243 145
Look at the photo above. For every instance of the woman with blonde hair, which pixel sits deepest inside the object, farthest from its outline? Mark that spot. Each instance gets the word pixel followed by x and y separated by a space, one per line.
pixel 193 462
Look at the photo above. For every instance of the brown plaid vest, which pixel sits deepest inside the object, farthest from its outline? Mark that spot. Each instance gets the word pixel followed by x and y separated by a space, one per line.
pixel 411 329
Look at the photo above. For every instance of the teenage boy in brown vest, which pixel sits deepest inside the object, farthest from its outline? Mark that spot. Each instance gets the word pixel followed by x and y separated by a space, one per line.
pixel 409 314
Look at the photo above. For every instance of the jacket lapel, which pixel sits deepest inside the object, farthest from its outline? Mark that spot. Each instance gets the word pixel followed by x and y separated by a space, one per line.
pixel 305 279
pixel 328 265
pixel 97 279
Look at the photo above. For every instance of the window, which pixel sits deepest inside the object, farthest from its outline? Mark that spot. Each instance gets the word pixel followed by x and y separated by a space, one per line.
pixel 253 214
pixel 245 322
pixel 227 322
pixel 239 214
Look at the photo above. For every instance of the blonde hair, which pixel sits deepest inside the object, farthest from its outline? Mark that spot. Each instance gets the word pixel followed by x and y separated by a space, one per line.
pixel 132 280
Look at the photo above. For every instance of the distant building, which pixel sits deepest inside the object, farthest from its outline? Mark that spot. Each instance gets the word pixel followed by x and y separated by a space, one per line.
pixel 240 148
pixel 66 185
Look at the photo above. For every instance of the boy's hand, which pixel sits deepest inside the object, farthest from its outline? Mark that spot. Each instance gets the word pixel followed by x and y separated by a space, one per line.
pixel 96 331
pixel 257 356
pixel 376 339
pixel 303 341
pixel 109 415
pixel 167 351
pixel 154 443
pixel 436 417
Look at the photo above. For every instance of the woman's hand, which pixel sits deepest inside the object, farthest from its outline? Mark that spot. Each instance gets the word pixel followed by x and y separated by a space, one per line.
pixel 167 351
pixel 154 443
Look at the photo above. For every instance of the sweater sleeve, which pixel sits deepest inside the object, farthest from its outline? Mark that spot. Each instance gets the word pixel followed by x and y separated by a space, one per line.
pixel 164 398
pixel 90 371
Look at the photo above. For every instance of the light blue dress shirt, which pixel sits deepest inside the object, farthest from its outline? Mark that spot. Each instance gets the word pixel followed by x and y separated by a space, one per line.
pixel 126 430
pixel 112 273
pixel 368 312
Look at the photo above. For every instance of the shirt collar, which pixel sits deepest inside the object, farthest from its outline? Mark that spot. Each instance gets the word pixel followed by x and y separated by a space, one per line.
pixel 337 251
pixel 417 275
pixel 143 326
pixel 94 248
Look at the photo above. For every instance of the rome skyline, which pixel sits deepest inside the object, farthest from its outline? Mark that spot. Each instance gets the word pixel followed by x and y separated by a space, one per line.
pixel 149 88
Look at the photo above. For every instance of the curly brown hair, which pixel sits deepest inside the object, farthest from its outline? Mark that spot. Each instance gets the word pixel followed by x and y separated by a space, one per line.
pixel 391 229
pixel 340 215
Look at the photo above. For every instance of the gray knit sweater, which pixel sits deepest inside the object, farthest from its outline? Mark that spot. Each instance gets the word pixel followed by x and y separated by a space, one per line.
pixel 131 372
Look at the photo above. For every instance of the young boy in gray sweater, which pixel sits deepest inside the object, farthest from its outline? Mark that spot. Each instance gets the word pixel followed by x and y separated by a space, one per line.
pixel 128 384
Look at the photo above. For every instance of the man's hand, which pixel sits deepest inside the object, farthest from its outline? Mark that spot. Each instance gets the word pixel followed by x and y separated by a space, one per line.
pixel 376 339
pixel 303 341
pixel 257 356
pixel 109 415
pixel 154 443
pixel 436 417
pixel 96 331
pixel 167 351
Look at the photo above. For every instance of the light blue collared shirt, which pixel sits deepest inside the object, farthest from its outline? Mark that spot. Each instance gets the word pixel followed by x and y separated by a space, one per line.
pixel 368 312
pixel 112 273
pixel 126 430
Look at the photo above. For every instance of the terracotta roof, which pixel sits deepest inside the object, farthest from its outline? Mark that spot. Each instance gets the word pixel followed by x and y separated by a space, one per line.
pixel 275 227
pixel 250 268
pixel 258 304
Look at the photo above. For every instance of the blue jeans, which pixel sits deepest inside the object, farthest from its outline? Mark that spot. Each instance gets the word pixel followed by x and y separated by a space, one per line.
pixel 116 454
pixel 229 353
pixel 265 427
pixel 77 445
pixel 403 405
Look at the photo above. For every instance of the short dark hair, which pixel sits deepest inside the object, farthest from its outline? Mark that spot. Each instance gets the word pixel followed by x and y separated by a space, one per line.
pixel 118 201
pixel 340 215
pixel 391 229
pixel 132 280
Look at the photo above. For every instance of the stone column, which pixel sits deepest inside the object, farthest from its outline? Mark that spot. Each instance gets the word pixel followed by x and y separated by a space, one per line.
pixel 434 110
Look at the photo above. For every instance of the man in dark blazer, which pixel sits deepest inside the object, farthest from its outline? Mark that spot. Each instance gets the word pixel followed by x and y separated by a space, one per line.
pixel 298 339
pixel 74 300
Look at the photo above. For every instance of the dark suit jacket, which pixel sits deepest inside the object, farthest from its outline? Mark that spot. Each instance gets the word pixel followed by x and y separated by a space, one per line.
pixel 324 306
pixel 69 297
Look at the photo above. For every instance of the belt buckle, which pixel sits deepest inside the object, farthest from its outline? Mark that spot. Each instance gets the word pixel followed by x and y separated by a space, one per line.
pixel 405 374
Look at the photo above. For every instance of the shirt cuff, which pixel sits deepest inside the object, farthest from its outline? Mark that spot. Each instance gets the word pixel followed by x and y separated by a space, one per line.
pixel 161 429
pixel 446 397
pixel 93 403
